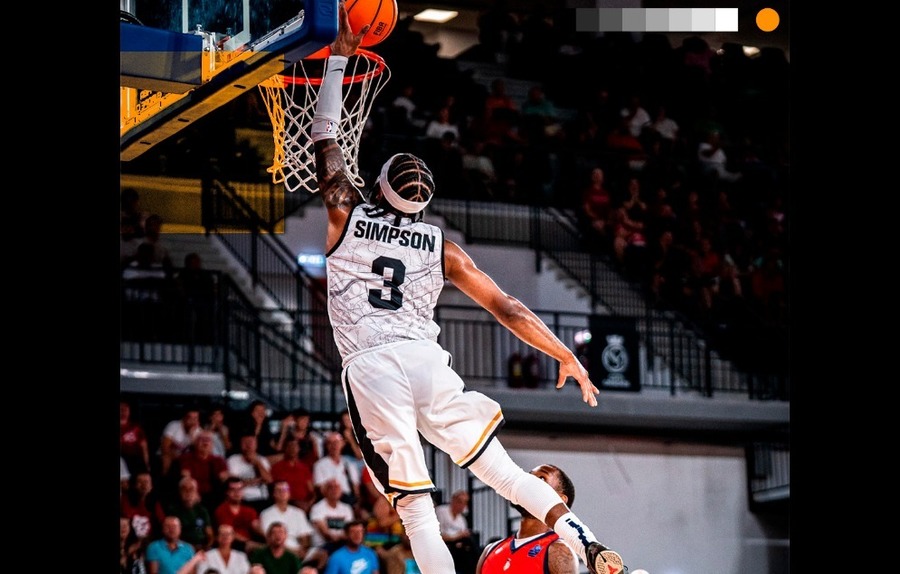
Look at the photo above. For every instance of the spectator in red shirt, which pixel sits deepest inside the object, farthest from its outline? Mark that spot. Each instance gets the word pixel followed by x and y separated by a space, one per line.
pixel 242 517
pixel 132 441
pixel 209 470
pixel 297 473
pixel 141 506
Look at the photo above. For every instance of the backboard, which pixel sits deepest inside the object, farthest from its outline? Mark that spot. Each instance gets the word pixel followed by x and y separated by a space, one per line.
pixel 181 59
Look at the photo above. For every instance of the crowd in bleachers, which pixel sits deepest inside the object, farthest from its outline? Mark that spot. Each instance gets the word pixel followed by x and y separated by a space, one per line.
pixel 222 490
pixel 691 146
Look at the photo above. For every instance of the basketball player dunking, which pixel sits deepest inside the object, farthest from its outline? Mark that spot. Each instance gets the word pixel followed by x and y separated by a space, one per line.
pixel 385 269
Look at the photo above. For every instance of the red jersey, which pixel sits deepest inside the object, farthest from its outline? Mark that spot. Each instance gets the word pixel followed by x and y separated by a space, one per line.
pixel 242 522
pixel 205 472
pixel 131 436
pixel 529 558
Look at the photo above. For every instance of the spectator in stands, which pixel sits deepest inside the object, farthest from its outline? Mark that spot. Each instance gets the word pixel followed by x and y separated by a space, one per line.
pixel 224 558
pixel 220 432
pixel 354 557
pixel 274 556
pixel 177 437
pixel 328 517
pixel 254 470
pixel 209 470
pixel 333 466
pixel 630 242
pixel 295 521
pixel 455 532
pixel 404 112
pixel 667 128
pixel 540 118
pixel 297 474
pixel 142 507
pixel 242 517
pixel 596 204
pixel 441 124
pixel 131 554
pixel 627 150
pixel 169 553
pixel 197 525
pixel 299 426
pixel 713 160
pixel 498 99
pixel 635 115
pixel 132 441
pixel 257 424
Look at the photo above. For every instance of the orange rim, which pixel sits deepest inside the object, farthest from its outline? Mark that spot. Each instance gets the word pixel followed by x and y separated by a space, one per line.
pixel 362 53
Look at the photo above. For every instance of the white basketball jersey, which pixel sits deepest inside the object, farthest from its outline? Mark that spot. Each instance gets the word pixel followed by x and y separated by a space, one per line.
pixel 384 281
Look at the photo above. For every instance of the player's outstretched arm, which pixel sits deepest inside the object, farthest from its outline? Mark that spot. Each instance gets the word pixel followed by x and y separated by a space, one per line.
pixel 338 192
pixel 512 314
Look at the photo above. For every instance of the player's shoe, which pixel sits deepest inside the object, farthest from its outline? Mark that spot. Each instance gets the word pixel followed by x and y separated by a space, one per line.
pixel 602 560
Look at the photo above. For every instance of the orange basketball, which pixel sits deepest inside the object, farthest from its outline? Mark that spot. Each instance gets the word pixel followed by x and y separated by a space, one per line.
pixel 381 15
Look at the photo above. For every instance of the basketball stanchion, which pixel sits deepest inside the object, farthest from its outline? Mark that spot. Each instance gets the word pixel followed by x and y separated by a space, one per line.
pixel 290 100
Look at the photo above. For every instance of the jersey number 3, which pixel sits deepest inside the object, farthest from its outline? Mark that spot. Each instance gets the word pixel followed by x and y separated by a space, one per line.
pixel 399 274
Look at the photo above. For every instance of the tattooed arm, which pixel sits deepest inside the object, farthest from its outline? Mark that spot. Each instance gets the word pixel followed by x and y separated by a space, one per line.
pixel 338 192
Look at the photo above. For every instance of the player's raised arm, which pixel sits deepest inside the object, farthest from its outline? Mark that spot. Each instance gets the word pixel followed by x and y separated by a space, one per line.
pixel 338 192
pixel 512 314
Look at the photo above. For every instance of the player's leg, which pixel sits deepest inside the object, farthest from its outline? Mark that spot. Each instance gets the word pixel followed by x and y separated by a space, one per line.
pixel 463 425
pixel 384 419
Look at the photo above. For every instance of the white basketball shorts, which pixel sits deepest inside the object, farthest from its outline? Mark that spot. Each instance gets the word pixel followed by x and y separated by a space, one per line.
pixel 396 391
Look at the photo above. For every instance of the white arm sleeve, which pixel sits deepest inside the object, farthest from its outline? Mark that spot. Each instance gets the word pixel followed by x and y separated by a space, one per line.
pixel 328 108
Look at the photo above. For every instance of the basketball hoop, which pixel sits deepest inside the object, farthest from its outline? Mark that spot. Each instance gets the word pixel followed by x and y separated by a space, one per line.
pixel 291 102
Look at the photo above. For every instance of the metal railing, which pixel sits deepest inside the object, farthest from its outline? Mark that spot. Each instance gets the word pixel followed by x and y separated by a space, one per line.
pixel 227 334
pixel 673 342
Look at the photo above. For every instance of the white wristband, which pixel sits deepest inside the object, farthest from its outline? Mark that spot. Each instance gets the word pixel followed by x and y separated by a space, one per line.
pixel 328 108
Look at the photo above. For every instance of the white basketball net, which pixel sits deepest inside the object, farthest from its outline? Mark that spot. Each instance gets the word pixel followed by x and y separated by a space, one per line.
pixel 291 98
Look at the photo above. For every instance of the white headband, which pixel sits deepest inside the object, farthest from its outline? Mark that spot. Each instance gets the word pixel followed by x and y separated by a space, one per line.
pixel 392 197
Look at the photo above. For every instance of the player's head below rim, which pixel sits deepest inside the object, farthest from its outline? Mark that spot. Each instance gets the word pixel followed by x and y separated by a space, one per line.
pixel 404 187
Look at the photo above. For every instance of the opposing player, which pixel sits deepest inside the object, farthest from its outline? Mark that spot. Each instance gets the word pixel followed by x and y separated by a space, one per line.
pixel 535 548
pixel 385 269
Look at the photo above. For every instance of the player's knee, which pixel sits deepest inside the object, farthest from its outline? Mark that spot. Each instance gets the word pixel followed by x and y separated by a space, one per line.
pixel 417 512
